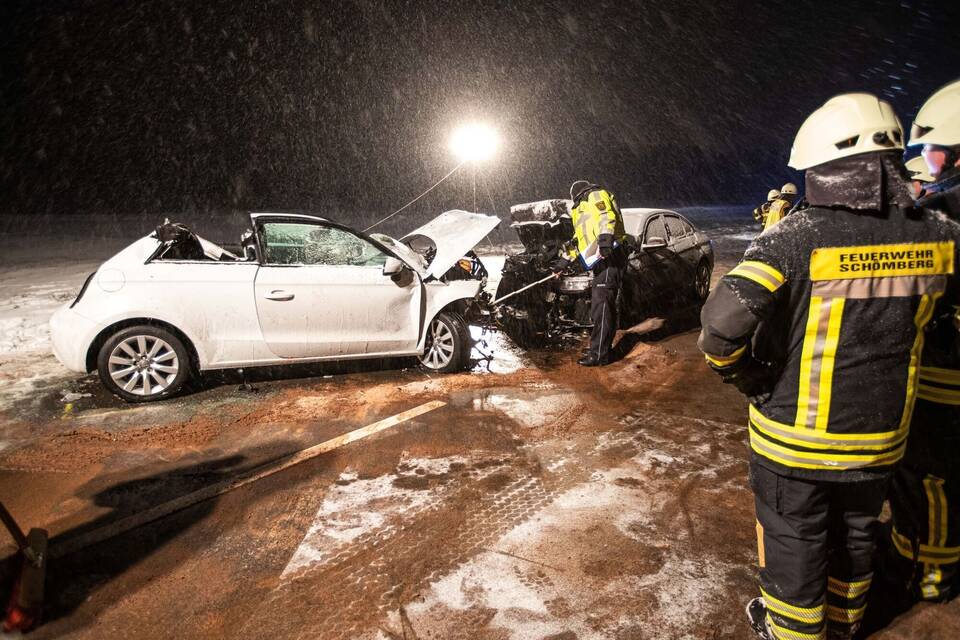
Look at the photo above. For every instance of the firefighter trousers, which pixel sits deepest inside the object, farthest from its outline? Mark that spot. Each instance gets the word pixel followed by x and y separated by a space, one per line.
pixel 925 503
pixel 607 278
pixel 815 542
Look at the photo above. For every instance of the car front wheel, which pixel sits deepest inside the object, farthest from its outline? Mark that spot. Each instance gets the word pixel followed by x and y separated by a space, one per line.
pixel 144 363
pixel 447 346
pixel 701 283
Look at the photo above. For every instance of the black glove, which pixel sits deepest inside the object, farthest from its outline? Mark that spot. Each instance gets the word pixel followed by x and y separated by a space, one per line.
pixel 559 264
pixel 605 243
pixel 753 378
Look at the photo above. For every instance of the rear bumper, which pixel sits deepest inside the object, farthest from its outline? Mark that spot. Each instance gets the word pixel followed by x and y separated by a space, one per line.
pixel 71 335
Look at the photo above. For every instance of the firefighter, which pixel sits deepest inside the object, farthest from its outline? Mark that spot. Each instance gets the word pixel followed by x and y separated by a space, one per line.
pixel 760 213
pixel 919 175
pixel 599 244
pixel 780 207
pixel 925 496
pixel 841 291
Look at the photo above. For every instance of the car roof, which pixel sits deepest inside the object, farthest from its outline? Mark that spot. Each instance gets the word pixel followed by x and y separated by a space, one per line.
pixel 285 214
pixel 634 218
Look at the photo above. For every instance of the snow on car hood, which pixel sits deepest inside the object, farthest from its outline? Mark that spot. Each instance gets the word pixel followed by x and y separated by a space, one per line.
pixel 453 233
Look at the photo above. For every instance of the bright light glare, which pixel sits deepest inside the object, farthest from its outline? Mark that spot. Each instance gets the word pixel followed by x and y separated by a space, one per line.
pixel 474 142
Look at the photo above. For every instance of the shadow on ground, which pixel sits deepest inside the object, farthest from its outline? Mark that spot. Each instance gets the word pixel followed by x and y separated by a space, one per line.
pixel 73 578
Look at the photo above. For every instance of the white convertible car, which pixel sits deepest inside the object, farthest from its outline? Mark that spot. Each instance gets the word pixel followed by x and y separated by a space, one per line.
pixel 299 289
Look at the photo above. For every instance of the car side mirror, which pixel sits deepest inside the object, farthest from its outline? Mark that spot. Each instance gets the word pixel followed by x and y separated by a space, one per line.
pixel 393 267
pixel 653 242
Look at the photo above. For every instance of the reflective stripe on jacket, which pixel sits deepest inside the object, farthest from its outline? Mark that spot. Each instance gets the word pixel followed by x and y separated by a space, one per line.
pixel 596 214
pixel 843 299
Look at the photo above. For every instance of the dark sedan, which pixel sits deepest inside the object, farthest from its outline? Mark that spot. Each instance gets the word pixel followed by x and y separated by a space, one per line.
pixel 669 267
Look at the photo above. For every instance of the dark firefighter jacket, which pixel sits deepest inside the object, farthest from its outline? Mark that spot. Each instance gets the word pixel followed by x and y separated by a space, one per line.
pixel 596 214
pixel 841 292
pixel 940 372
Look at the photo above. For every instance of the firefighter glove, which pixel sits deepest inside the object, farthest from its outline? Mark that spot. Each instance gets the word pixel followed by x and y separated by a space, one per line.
pixel 753 378
pixel 605 243
pixel 559 264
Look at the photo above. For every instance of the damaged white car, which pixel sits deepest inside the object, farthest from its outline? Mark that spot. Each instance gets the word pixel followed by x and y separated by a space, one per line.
pixel 299 289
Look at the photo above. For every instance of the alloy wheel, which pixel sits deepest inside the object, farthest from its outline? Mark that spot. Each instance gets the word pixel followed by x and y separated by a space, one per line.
pixel 143 365
pixel 703 281
pixel 441 346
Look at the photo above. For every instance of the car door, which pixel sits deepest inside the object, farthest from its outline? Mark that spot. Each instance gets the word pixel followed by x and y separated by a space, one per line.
pixel 655 265
pixel 683 245
pixel 321 292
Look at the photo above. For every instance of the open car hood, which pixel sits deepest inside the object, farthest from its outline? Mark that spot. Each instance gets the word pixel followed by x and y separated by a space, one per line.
pixel 453 234
pixel 413 259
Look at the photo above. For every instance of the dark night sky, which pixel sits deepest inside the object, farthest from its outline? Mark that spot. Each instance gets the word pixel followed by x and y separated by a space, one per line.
pixel 345 108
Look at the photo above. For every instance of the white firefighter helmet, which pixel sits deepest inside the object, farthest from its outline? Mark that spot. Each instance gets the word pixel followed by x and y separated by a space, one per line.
pixel 847 125
pixel 772 195
pixel 938 121
pixel 578 187
pixel 918 169
pixel 788 189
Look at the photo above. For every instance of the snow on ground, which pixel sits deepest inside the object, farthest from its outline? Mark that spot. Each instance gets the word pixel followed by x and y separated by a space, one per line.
pixel 354 507
pixel 29 294
pixel 560 592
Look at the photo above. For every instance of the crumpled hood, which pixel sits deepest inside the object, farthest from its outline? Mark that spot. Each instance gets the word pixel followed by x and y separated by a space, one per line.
pixel 453 233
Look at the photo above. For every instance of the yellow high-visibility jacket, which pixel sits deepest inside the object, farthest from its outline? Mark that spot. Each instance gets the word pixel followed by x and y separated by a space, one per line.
pixel 596 214
pixel 776 212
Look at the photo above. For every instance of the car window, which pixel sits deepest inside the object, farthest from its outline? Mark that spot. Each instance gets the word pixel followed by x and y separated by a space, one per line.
pixel 655 228
pixel 687 227
pixel 314 244
pixel 675 227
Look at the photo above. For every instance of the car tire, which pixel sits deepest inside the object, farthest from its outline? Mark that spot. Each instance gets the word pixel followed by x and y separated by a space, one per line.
pixel 447 346
pixel 144 363
pixel 701 281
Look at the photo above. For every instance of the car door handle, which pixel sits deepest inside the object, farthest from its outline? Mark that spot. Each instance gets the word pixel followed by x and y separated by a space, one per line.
pixel 279 295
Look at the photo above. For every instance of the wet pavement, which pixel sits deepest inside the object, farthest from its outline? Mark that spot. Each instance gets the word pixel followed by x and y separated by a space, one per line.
pixel 543 501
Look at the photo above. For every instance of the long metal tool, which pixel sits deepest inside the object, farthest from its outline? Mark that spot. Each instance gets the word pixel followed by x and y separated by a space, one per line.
pixel 522 289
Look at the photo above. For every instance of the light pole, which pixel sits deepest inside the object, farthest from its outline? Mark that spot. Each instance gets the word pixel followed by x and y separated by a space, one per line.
pixel 474 143
pixel 471 143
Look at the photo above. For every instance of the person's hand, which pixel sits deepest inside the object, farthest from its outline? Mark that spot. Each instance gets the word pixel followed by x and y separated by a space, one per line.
pixel 605 244
pixel 754 379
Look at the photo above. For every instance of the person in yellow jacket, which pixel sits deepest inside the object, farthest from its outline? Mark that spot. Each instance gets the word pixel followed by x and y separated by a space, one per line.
pixel 760 213
pixel 781 206
pixel 598 244
pixel 821 325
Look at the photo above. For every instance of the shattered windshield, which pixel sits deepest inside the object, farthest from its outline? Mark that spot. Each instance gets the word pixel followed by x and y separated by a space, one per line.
pixel 290 243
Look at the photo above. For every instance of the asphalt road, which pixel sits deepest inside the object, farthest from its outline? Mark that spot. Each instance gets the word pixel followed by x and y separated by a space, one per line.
pixel 542 501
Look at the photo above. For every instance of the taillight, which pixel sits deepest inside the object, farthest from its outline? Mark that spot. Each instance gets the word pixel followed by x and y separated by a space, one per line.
pixel 83 289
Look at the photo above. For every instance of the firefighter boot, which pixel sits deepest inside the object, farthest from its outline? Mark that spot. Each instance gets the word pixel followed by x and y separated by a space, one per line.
pixel 591 360
pixel 757 614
